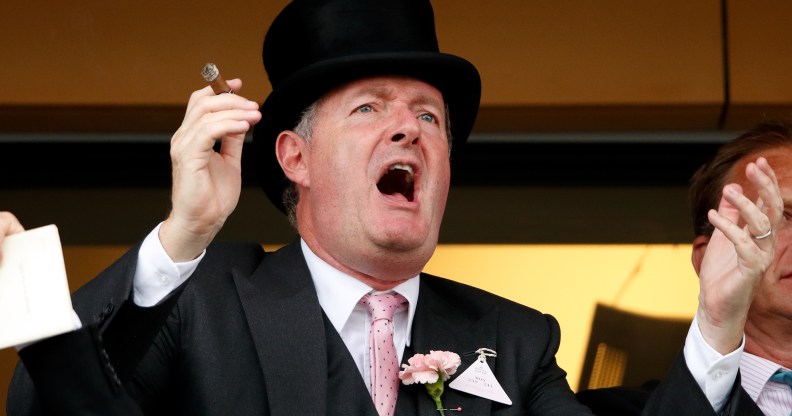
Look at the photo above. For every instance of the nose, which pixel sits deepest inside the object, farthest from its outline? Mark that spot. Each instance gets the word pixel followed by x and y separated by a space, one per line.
pixel 407 128
pixel 401 137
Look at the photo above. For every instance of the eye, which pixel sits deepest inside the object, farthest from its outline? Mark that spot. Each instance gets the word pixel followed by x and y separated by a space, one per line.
pixel 365 108
pixel 430 118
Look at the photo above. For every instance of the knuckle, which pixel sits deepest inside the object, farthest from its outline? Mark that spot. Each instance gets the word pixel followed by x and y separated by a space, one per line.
pixel 7 217
pixel 195 95
pixel 764 223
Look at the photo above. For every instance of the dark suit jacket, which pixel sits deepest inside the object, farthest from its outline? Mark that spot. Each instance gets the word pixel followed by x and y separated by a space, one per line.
pixel 629 401
pixel 247 336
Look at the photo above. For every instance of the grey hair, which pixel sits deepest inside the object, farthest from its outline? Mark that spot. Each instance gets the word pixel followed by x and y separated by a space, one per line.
pixel 304 129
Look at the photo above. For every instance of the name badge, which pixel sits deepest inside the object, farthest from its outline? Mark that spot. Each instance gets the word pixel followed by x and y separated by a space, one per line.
pixel 479 380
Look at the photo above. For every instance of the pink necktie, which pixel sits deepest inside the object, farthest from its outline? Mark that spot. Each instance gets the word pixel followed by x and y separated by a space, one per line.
pixel 384 360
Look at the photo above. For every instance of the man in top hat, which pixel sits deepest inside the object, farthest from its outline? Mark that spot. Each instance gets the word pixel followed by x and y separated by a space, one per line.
pixel 354 144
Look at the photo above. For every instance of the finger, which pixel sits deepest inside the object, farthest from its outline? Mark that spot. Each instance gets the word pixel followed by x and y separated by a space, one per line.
pixel 201 135
pixel 231 147
pixel 769 201
pixel 196 96
pixel 726 207
pixel 235 84
pixel 218 126
pixel 754 260
pixel 756 221
pixel 217 103
pixel 9 225
pixel 764 179
pixel 738 236
pixel 763 165
pixel 206 104
pixel 727 218
pixel 248 115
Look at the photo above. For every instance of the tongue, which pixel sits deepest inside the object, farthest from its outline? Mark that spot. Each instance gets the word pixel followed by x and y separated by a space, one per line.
pixel 397 181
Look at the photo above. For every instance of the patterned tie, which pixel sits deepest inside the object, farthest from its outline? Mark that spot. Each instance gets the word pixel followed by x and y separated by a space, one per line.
pixel 384 360
pixel 782 376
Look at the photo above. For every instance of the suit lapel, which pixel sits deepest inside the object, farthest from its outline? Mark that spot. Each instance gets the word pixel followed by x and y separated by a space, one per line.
pixel 442 323
pixel 346 389
pixel 287 327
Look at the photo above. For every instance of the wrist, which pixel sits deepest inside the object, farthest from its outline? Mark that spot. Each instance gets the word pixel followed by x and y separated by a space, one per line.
pixel 185 243
pixel 724 336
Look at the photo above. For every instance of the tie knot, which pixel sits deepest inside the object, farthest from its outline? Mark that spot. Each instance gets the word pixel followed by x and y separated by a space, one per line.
pixel 782 376
pixel 383 305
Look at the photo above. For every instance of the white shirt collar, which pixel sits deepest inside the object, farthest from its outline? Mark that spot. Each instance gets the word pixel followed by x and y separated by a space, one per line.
pixel 338 292
pixel 756 372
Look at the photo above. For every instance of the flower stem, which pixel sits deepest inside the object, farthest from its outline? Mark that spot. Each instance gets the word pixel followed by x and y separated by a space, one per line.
pixel 435 391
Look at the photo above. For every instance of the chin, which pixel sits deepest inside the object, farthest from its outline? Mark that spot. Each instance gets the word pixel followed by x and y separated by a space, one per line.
pixel 399 263
pixel 409 247
pixel 402 243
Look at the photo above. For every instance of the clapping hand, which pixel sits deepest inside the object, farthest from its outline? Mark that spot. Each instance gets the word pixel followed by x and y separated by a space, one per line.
pixel 738 254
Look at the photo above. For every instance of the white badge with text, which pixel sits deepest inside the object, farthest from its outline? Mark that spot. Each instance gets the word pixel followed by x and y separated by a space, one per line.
pixel 479 380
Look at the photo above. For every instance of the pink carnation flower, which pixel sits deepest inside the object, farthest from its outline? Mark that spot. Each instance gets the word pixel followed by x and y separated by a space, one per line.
pixel 429 368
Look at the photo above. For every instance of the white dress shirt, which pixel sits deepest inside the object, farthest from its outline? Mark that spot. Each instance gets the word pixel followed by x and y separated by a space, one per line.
pixel 339 295
pixel 714 373
pixel 775 399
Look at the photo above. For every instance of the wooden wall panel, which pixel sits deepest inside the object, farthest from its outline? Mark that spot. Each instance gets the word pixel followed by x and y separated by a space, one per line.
pixel 610 52
pixel 760 58
pixel 613 64
pixel 129 53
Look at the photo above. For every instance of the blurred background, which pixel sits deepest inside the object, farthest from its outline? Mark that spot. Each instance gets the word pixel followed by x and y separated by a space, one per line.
pixel 570 196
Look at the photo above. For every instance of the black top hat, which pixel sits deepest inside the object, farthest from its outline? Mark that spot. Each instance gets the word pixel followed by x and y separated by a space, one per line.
pixel 314 46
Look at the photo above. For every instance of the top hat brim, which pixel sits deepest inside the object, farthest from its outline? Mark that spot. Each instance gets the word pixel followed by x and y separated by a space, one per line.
pixel 456 78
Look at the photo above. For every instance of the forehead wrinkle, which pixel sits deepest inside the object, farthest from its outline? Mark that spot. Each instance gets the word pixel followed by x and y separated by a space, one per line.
pixel 426 99
pixel 376 91
pixel 386 92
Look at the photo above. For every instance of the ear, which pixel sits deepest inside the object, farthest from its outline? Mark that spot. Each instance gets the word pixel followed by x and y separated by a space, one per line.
pixel 699 248
pixel 293 155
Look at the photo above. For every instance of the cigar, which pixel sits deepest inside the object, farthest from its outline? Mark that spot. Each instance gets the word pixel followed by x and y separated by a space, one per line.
pixel 212 75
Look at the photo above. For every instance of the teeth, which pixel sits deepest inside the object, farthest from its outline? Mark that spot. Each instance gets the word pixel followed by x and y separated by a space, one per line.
pixel 398 180
pixel 407 168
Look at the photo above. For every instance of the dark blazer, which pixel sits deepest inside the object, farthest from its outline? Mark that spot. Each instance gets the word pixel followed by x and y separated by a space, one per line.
pixel 634 401
pixel 247 336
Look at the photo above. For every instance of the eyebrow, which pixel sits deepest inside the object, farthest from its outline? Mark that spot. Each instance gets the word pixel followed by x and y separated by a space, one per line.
pixel 387 92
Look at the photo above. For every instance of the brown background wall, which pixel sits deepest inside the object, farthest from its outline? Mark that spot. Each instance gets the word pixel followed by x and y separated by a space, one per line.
pixel 561 65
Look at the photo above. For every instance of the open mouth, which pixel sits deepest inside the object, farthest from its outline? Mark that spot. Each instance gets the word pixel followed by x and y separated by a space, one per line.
pixel 398 180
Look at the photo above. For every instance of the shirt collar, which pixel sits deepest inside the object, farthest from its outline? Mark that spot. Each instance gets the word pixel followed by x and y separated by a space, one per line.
pixel 756 372
pixel 339 292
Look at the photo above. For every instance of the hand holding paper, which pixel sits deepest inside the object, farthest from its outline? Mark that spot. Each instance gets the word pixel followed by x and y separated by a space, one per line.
pixel 34 292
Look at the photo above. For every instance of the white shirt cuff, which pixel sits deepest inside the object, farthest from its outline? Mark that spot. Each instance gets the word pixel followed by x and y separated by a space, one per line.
pixel 156 275
pixel 714 373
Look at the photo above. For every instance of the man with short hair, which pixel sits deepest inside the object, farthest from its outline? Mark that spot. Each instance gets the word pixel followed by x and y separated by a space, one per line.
pixel 768 326
pixel 299 331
